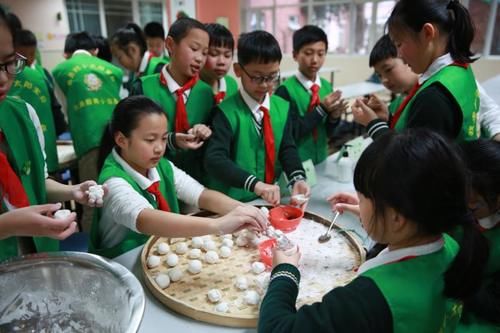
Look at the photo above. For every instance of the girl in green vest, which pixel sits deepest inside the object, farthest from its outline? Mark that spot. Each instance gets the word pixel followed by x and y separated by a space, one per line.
pixel 412 190
pixel 219 60
pixel 144 187
pixel 482 157
pixel 433 37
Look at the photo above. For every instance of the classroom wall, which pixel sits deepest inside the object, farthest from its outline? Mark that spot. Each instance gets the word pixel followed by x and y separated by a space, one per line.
pixel 220 11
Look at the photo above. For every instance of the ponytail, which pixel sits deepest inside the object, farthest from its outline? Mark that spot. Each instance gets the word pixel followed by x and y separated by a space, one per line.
pixel 131 33
pixel 107 144
pixel 463 277
pixel 461 33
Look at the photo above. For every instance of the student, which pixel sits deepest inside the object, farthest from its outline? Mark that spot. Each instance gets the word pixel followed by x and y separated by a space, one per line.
pixel 482 158
pixel 23 176
pixel 103 48
pixel 132 163
pixel 25 43
pixel 313 104
pixel 396 76
pixel 186 100
pixel 411 189
pixel 91 87
pixel 155 40
pixel 433 38
pixel 252 139
pixel 219 59
pixel 129 47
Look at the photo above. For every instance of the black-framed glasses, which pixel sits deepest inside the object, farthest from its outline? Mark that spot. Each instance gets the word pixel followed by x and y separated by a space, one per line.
pixel 262 79
pixel 15 66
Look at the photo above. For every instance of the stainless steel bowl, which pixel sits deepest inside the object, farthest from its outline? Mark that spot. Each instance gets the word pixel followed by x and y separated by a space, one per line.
pixel 69 292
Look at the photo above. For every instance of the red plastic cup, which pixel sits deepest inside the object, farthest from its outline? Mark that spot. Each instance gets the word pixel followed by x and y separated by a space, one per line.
pixel 266 251
pixel 285 218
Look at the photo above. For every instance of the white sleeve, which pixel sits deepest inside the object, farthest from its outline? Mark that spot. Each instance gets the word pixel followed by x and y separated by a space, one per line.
pixel 186 187
pixel 489 112
pixel 39 132
pixel 122 204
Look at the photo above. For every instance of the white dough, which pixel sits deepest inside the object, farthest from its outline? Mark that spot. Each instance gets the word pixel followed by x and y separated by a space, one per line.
pixel 251 297
pixel 209 245
pixel 175 274
pixel 214 295
pixel 258 267
pixel 162 280
pixel 197 242
pixel 62 214
pixel 224 251
pixel 153 261
pixel 194 253
pixel 241 241
pixel 226 236
pixel 172 259
pixel 211 257
pixel 222 307
pixel 241 283
pixel 96 193
pixel 195 266
pixel 181 248
pixel 206 238
pixel 261 281
pixel 227 242
pixel 265 211
pixel 163 248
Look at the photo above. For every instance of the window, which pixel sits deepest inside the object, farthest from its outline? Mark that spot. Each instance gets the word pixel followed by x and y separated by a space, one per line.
pixel 150 11
pixel 84 15
pixel 118 14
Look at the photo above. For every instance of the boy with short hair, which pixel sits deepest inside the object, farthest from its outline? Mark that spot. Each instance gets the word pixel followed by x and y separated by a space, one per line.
pixel 314 107
pixel 252 136
pixel 155 39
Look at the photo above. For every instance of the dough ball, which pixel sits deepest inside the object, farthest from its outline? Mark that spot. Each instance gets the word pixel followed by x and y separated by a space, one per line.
pixel 61 214
pixel 172 259
pixel 181 248
pixel 214 295
pixel 163 248
pixel 195 266
pixel 196 242
pixel 211 257
pixel 251 297
pixel 224 251
pixel 241 283
pixel 209 245
pixel 194 253
pixel 226 236
pixel 222 307
pixel 241 241
pixel 258 267
pixel 175 274
pixel 261 281
pixel 162 280
pixel 227 242
pixel 153 261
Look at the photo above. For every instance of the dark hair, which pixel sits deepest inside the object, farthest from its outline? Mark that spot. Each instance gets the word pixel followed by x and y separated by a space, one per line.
pixel 258 46
pixel 420 175
pixel 25 38
pixel 450 16
pixel 384 49
pixel 308 34
pixel 220 36
pixel 14 22
pixel 131 33
pixel 103 48
pixel 181 28
pixel 482 158
pixel 126 116
pixel 79 41
pixel 154 30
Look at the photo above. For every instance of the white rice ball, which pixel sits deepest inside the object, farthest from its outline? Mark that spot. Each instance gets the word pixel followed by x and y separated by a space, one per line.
pixel 209 245
pixel 241 241
pixel 214 295
pixel 224 251
pixel 258 267
pixel 194 253
pixel 181 248
pixel 211 257
pixel 61 214
pixel 172 259
pixel 163 248
pixel 222 307
pixel 153 261
pixel 251 297
pixel 162 280
pixel 195 266
pixel 227 242
pixel 175 274
pixel 196 242
pixel 241 283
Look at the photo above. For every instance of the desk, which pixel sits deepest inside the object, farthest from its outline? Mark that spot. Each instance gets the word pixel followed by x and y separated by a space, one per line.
pixel 332 70
pixel 66 154
pixel 361 89
pixel 158 318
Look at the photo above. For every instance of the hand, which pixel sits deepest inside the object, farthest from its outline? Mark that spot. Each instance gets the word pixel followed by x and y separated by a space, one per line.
pixel 200 131
pixel 279 257
pixel 331 100
pixel 81 193
pixel 37 221
pixel 187 141
pixel 300 187
pixel 379 107
pixel 343 202
pixel 268 192
pixel 338 109
pixel 496 137
pixel 242 217
pixel 362 113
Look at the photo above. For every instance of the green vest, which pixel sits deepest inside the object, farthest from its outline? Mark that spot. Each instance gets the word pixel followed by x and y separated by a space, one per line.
pixel 31 86
pixel 231 86
pixel 91 86
pixel 316 150
pixel 413 290
pixel 198 107
pixel 394 105
pixel 26 159
pixel 111 169
pixel 247 148
pixel 460 82
pixel 152 64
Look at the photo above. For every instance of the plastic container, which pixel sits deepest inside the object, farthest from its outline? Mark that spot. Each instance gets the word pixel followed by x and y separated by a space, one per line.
pixel 266 251
pixel 285 218
pixel 345 168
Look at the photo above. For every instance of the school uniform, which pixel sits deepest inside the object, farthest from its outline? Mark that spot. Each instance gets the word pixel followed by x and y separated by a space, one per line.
pixel 444 100
pixel 22 142
pixel 149 65
pixel 114 228
pixel 397 291
pixel 309 119
pixel 30 86
pixel 198 102
pixel 224 87
pixel 238 154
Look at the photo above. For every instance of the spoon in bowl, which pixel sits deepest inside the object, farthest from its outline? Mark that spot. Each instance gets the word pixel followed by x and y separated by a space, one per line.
pixel 326 236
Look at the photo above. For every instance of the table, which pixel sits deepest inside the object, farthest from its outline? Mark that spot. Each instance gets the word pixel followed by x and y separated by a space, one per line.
pixel 158 318
pixel 66 154
pixel 332 70
pixel 361 89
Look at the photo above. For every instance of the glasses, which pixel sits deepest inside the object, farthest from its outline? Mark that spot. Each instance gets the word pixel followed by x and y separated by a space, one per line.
pixel 262 79
pixel 15 66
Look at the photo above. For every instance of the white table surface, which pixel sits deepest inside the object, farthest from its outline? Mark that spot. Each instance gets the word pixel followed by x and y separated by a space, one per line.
pixel 159 318
pixel 361 89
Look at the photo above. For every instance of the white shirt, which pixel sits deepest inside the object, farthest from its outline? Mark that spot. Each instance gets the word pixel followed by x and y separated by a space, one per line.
pixel 123 204
pixel 489 111
pixel 254 105
pixel 306 83
pixel 144 62
pixel 174 86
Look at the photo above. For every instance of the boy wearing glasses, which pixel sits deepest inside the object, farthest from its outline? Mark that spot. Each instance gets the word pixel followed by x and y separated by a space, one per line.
pixel 314 107
pixel 252 135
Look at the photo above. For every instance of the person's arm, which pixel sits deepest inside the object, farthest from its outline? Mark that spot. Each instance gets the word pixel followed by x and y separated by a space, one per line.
pixel 289 156
pixel 57 192
pixel 59 122
pixel 357 307
pixel 489 114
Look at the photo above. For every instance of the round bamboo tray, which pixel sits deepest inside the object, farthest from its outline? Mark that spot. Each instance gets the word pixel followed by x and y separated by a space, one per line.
pixel 189 295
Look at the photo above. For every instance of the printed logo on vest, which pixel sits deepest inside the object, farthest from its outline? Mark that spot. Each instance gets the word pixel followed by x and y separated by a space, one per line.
pixel 92 82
